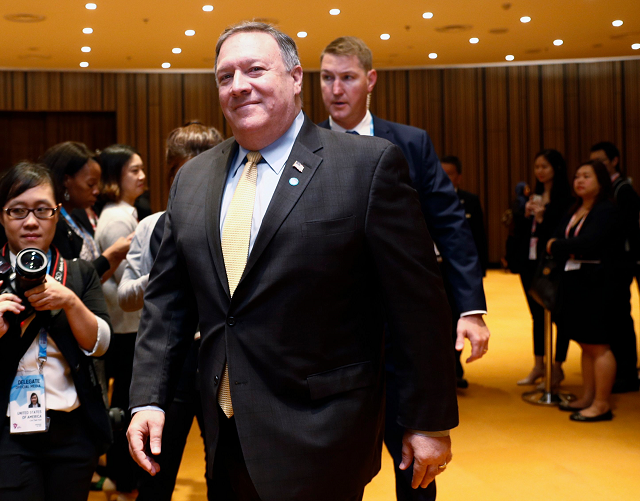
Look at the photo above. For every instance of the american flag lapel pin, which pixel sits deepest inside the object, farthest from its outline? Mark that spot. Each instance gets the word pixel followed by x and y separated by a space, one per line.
pixel 298 166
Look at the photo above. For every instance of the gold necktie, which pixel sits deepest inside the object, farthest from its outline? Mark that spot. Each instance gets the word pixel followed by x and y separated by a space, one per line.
pixel 235 247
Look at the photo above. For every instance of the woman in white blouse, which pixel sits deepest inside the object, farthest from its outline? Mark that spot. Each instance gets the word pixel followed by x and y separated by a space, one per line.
pixel 123 181
pixel 60 325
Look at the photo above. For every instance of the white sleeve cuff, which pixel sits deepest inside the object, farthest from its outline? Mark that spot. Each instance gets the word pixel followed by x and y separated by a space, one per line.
pixel 102 339
pixel 146 408
pixel 473 312
pixel 433 434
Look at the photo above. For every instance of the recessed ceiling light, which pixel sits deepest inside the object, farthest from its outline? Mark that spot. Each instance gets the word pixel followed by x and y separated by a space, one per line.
pixel 385 36
pixel 302 34
pixel 617 23
pixel 509 57
pixel 190 33
pixel 84 64
pixel 474 40
pixel 427 15
pixel 334 12
pixel 525 19
pixel 91 6
pixel 86 49
pixel 558 42
pixel 176 50
pixel 433 55
pixel 635 46
pixel 166 65
pixel 207 8
pixel 87 31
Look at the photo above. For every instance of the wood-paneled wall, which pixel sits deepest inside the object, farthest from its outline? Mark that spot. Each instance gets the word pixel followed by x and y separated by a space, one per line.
pixel 495 119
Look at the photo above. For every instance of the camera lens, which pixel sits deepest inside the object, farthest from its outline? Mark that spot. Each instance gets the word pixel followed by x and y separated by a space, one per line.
pixel 31 263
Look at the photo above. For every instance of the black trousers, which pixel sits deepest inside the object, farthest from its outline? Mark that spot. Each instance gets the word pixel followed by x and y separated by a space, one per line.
pixel 393 434
pixel 121 468
pixel 623 341
pixel 231 480
pixel 52 466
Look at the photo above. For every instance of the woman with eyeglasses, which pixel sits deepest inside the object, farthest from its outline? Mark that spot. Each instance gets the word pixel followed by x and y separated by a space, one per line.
pixel 123 180
pixel 76 175
pixel 48 335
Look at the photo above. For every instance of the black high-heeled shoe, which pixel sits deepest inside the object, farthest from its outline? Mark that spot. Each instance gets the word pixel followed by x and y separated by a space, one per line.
pixel 605 416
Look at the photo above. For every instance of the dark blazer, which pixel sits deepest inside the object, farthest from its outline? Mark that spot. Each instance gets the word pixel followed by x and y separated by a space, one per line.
pixel 303 333
pixel 442 211
pixel 83 281
pixel 627 200
pixel 475 218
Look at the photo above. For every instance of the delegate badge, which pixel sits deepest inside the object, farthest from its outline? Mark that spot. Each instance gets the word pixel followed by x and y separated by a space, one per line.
pixel 27 409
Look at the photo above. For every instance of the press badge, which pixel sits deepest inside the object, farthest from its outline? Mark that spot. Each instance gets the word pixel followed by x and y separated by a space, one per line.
pixel 533 248
pixel 27 407
pixel 572 265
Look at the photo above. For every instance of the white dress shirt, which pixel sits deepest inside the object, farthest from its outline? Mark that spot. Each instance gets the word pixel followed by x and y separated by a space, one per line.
pixel 138 265
pixel 117 220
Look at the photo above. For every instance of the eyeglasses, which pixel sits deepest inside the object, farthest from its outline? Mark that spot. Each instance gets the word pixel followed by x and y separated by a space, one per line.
pixel 23 213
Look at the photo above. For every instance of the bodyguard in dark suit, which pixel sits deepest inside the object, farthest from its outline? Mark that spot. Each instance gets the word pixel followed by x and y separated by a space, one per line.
pixel 472 209
pixel 347 80
pixel 624 341
pixel 473 212
pixel 291 362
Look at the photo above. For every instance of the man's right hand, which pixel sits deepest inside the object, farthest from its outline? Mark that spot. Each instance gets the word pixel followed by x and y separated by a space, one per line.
pixel 146 425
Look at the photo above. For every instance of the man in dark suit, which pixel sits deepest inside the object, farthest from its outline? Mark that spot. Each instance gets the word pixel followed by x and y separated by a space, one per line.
pixel 291 363
pixel 347 80
pixel 473 212
pixel 623 341
pixel 471 206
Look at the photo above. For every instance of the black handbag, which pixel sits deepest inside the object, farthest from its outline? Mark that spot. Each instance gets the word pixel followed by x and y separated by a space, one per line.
pixel 545 285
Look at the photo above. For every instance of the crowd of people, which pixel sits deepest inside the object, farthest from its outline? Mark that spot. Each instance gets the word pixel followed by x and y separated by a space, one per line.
pixel 593 231
pixel 280 270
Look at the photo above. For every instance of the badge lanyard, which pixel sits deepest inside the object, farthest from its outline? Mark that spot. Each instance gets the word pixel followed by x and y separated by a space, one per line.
pixel 26 415
pixel 572 221
pixel 572 264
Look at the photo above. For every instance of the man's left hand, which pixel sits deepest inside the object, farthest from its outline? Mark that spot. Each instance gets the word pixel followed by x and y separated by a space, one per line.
pixel 473 328
pixel 430 456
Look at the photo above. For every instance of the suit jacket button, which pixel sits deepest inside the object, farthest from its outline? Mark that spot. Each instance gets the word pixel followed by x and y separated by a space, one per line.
pixel 231 321
pixel 215 380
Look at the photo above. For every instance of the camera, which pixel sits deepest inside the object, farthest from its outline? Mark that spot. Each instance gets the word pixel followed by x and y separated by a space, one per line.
pixel 31 270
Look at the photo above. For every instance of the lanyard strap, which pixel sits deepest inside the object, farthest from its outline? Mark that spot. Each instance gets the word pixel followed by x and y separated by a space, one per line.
pixel 42 350
pixel 578 227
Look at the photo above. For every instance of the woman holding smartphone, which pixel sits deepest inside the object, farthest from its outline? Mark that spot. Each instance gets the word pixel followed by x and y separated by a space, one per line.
pixel 550 200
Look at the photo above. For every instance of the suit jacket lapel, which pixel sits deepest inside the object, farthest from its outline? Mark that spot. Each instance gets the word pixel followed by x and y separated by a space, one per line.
pixel 286 195
pixel 380 129
pixel 213 203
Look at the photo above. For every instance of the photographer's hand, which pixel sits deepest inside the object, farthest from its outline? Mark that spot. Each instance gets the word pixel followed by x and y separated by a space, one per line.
pixel 52 295
pixel 9 303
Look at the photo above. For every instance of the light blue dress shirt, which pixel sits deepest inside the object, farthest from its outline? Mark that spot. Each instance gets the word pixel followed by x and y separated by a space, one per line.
pixel 274 158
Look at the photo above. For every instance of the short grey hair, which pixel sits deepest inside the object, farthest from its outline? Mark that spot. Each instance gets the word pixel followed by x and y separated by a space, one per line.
pixel 288 48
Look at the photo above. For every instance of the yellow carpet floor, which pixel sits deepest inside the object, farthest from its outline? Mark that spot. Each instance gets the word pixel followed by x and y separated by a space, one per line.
pixel 506 449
